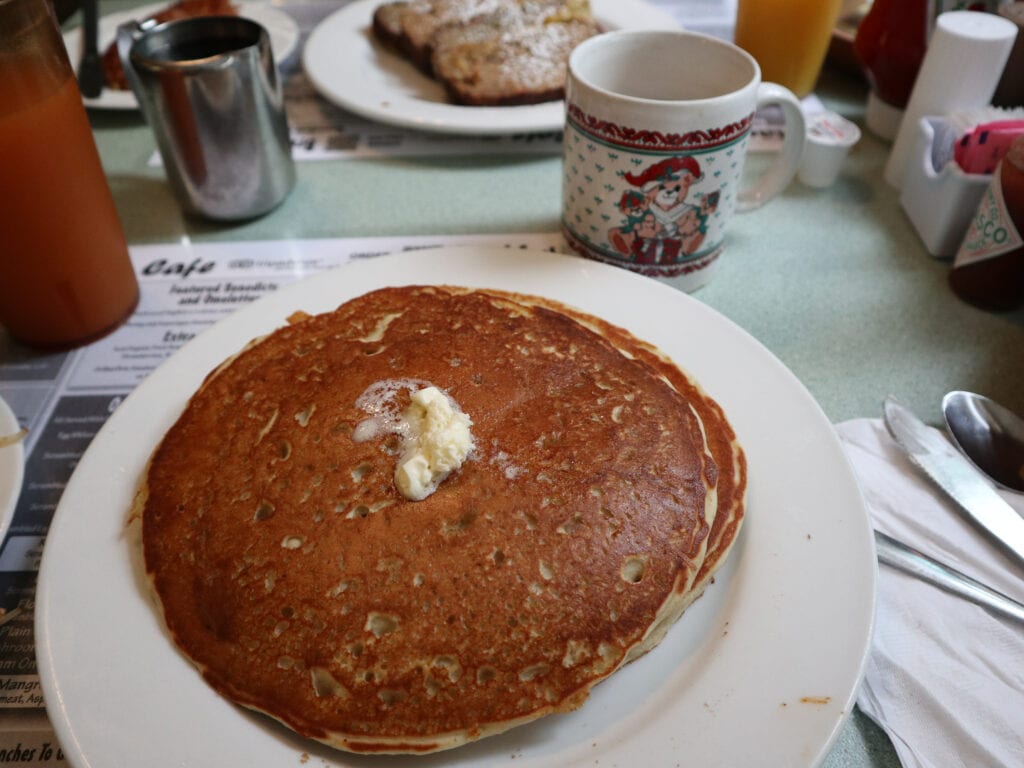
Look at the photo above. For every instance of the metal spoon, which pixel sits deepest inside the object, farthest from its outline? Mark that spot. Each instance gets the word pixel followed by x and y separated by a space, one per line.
pixel 989 435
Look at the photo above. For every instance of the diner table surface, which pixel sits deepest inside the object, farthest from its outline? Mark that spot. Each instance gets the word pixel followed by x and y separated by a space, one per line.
pixel 834 282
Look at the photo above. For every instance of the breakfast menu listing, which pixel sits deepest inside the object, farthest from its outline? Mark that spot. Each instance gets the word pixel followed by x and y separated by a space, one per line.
pixel 63 399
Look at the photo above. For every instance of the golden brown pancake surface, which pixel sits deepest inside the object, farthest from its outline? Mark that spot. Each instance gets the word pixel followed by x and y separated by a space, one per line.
pixel 302 584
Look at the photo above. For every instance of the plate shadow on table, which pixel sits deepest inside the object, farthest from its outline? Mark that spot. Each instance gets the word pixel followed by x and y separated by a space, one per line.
pixel 138 197
pixel 115 119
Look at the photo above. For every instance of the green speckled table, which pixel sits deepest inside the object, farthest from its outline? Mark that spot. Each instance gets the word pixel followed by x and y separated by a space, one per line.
pixel 834 282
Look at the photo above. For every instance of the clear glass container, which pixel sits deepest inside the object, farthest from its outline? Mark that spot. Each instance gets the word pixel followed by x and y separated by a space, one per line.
pixel 65 274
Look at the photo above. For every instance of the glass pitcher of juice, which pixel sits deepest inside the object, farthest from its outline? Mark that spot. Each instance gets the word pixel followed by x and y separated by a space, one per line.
pixel 65 274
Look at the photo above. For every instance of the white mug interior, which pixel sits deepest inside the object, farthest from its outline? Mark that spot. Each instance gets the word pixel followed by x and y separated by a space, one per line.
pixel 649 65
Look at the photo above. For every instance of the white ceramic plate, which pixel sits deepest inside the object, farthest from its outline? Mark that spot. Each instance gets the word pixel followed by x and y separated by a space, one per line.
pixel 761 670
pixel 283 31
pixel 350 68
pixel 12 468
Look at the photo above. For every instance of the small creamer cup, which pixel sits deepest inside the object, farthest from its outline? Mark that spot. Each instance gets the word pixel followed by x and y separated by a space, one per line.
pixel 829 139
pixel 657 126
pixel 210 90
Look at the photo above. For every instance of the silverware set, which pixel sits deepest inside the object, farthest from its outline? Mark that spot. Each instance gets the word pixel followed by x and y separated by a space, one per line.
pixel 962 480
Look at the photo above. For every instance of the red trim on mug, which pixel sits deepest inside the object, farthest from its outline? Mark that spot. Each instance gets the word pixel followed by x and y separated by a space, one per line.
pixel 639 138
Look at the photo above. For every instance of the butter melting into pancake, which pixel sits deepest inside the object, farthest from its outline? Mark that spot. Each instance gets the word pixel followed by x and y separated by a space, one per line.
pixel 602 490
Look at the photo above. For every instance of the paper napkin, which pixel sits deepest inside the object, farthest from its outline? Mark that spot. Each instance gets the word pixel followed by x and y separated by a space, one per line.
pixel 945 677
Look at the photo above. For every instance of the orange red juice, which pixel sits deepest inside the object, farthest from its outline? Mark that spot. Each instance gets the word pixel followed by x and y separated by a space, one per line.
pixel 65 274
pixel 789 38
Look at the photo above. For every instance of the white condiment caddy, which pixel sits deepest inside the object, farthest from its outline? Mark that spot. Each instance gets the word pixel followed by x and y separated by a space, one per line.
pixel 937 195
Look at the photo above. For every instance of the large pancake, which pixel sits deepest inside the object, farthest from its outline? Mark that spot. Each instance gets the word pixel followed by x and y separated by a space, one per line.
pixel 302 584
pixel 731 487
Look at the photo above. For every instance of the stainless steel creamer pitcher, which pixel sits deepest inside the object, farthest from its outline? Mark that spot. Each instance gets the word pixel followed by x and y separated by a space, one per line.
pixel 209 89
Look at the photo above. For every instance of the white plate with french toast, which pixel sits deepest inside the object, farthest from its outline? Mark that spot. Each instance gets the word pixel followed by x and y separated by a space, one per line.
pixel 761 670
pixel 351 68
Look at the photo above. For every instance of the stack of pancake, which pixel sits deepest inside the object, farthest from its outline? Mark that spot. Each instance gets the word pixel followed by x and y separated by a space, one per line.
pixel 603 490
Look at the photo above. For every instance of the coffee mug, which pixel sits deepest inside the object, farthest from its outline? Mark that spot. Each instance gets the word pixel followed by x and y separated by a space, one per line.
pixel 210 90
pixel 657 126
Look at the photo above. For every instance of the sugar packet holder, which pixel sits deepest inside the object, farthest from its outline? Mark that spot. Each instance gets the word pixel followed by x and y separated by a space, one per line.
pixel 938 196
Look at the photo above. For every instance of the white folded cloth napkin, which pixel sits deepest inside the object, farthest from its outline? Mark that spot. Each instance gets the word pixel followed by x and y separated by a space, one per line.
pixel 945 677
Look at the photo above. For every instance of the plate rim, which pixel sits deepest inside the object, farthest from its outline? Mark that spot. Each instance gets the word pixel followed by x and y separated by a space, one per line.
pixel 12 466
pixel 590 274
pixel 443 117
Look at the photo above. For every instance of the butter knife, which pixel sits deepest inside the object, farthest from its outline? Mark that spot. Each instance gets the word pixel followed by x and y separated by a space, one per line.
pixel 898 555
pixel 951 472
pixel 90 68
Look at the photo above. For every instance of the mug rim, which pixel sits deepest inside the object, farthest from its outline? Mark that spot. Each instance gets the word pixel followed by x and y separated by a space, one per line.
pixel 601 39
pixel 147 33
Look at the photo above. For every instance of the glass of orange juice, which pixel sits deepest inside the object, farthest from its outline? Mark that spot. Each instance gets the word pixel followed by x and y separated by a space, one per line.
pixel 789 38
pixel 65 274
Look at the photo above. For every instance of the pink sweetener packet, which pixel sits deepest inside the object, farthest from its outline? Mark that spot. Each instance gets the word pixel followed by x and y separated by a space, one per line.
pixel 980 149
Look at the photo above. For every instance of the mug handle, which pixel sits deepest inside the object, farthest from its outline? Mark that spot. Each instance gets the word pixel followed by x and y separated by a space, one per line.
pixel 785 165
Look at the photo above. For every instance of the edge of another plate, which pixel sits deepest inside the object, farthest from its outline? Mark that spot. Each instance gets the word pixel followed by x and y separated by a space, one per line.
pixel 392 91
pixel 12 468
pixel 282 28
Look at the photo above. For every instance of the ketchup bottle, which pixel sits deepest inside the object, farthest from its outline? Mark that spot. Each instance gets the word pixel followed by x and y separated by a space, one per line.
pixel 890 44
pixel 988 270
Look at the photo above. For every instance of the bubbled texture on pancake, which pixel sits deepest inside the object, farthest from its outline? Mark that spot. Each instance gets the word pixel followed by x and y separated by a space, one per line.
pixel 303 585
pixel 729 459
pixel 731 486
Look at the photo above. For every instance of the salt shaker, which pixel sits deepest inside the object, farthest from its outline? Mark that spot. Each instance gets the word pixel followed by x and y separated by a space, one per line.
pixel 961 69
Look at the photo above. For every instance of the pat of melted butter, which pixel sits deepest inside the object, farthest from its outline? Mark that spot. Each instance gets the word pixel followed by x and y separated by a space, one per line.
pixel 434 431
pixel 437 442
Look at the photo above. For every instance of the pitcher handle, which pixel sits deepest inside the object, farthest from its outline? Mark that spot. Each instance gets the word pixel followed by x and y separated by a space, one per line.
pixel 784 166
pixel 127 34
